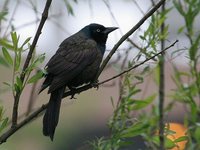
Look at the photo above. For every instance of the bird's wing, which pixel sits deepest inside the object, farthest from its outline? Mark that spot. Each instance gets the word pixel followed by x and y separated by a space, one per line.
pixel 69 61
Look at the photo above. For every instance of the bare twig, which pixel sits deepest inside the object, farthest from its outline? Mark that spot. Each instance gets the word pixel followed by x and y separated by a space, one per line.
pixel 137 5
pixel 142 50
pixel 11 18
pixel 123 38
pixel 121 88
pixel 11 131
pixel 32 96
pixel 133 67
pixel 27 61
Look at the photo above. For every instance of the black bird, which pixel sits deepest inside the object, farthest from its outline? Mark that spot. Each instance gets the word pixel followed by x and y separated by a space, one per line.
pixel 75 63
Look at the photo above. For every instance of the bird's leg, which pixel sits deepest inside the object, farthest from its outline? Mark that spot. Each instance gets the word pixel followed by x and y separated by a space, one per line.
pixel 72 89
pixel 95 84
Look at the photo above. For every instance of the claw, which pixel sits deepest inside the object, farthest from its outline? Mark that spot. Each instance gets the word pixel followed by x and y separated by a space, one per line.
pixel 95 84
pixel 72 96
pixel 72 89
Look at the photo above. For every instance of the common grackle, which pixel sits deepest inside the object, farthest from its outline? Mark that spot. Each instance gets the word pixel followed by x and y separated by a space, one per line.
pixel 75 63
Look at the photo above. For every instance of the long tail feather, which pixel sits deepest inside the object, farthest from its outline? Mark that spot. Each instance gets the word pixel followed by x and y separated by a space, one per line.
pixel 51 116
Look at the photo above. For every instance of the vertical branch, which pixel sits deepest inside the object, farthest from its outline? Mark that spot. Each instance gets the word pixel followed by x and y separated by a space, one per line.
pixel 162 88
pixel 32 96
pixel 121 87
pixel 27 61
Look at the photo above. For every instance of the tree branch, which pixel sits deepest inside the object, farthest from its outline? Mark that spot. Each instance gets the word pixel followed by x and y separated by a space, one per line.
pixel 11 131
pixel 27 61
pixel 125 37
pixel 136 66
pixel 162 88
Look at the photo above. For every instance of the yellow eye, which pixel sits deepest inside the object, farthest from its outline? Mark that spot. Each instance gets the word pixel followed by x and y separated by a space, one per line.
pixel 98 30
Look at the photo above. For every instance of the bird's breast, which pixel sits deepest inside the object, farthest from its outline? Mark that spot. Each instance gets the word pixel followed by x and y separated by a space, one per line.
pixel 89 72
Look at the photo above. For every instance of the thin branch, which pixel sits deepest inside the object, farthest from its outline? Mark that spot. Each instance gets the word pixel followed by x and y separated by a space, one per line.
pixel 120 84
pixel 123 38
pixel 142 50
pixel 11 18
pixel 32 96
pixel 137 5
pixel 27 61
pixel 30 118
pixel 162 88
pixel 133 67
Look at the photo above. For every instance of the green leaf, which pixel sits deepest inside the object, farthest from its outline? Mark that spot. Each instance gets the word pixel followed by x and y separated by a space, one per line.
pixel 69 7
pixel 6 44
pixel 194 48
pixel 197 134
pixel 112 102
pixel 3 62
pixel 36 77
pixel 134 130
pixel 7 84
pixel 40 59
pixel 140 78
pixel 15 40
pixel 168 142
pixel 18 61
pixel 179 7
pixel 17 89
pixel 3 14
pixel 180 30
pixel 146 69
pixel 139 104
pixel 1 112
pixel 180 139
pixel 125 143
pixel 7 56
pixel 25 42
pixel 19 83
pixel 4 124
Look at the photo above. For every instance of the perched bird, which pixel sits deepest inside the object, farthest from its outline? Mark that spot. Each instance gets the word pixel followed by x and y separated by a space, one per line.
pixel 75 63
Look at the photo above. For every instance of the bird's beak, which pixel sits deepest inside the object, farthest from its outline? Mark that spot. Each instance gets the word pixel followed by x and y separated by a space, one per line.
pixel 110 29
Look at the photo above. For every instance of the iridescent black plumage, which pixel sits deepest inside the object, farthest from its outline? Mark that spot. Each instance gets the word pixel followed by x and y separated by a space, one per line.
pixel 76 62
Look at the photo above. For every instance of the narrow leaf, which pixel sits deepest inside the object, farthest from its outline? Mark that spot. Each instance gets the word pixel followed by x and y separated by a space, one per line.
pixel 36 77
pixel 25 42
pixel 19 83
pixel 4 124
pixel 3 62
pixel 7 56
pixel 182 138
pixel 6 44
pixel 139 104
pixel 14 40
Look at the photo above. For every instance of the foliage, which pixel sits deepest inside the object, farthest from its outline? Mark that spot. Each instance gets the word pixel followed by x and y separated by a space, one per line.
pixel 15 62
pixel 188 92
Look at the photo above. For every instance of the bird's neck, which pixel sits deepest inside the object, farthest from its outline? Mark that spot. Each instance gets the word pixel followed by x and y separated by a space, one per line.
pixel 101 45
pixel 102 48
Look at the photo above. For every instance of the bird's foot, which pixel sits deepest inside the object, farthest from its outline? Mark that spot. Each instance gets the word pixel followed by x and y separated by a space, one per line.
pixel 72 89
pixel 95 84
pixel 72 96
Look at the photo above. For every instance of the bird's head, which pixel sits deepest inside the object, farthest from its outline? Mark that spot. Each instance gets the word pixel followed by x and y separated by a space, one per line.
pixel 98 32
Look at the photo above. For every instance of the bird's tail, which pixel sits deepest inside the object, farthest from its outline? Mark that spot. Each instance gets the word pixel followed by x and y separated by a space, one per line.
pixel 51 116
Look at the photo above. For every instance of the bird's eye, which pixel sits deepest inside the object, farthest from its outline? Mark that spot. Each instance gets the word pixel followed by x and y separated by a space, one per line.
pixel 98 30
